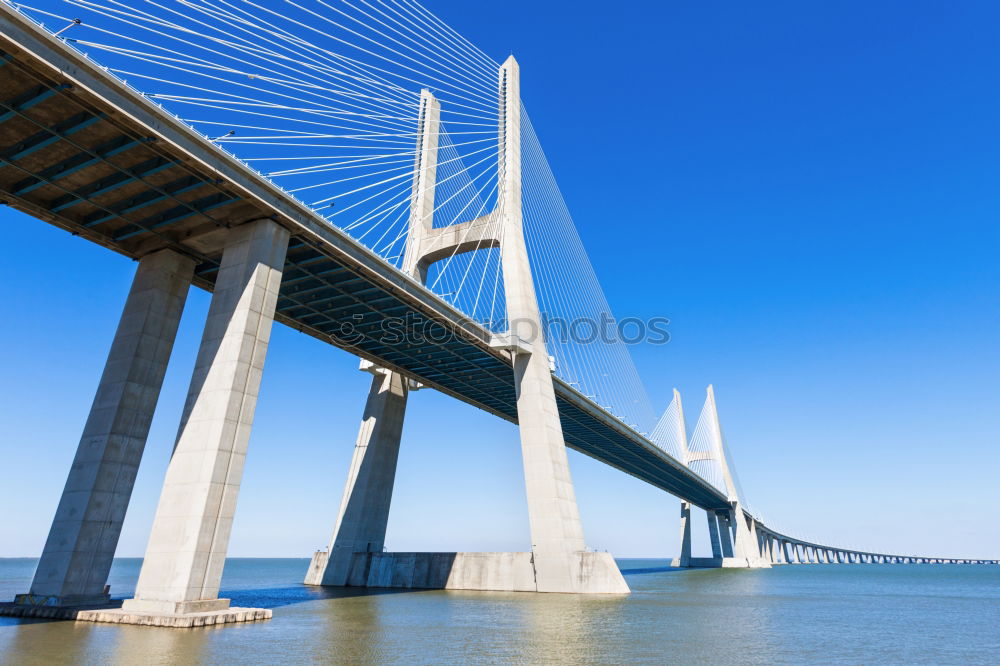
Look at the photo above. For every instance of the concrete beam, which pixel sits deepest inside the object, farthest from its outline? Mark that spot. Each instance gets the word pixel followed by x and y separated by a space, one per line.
pixel 444 242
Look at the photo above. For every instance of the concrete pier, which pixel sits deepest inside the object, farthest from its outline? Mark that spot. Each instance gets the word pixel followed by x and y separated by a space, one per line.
pixel 364 508
pixel 182 568
pixel 76 560
pixel 713 534
pixel 685 557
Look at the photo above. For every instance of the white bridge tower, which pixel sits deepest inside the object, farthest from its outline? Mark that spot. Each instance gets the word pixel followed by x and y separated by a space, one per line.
pixel 559 560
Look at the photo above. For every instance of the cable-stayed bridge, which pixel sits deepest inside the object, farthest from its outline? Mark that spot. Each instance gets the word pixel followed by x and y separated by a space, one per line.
pixel 360 172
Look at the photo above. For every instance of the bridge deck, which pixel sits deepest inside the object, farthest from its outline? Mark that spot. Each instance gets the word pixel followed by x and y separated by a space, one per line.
pixel 85 152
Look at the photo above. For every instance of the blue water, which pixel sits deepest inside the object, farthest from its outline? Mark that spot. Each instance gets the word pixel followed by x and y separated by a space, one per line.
pixel 850 614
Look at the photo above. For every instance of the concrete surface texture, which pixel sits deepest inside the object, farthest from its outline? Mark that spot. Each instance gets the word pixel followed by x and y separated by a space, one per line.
pixel 182 568
pixel 81 544
pixel 364 508
pixel 503 572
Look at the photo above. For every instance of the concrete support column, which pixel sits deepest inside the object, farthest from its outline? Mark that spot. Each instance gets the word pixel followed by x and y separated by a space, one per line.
pixel 725 533
pixel 556 532
pixel 745 543
pixel 81 544
pixel 713 534
pixel 364 508
pixel 685 557
pixel 187 546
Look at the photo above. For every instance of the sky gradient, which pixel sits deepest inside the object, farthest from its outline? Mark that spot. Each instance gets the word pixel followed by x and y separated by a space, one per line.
pixel 807 190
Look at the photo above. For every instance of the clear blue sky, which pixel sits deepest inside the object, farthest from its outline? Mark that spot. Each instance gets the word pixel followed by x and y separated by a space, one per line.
pixel 808 190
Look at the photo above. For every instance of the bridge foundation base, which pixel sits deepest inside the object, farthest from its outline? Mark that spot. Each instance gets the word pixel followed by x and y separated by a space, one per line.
pixel 591 573
pixel 176 620
pixel 112 613
pixel 721 563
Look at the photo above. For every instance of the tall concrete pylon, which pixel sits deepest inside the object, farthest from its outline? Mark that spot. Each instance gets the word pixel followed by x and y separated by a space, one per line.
pixel 364 507
pixel 744 532
pixel 733 535
pixel 671 432
pixel 559 561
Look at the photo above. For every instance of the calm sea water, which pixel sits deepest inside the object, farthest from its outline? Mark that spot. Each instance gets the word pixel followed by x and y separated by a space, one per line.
pixel 853 614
